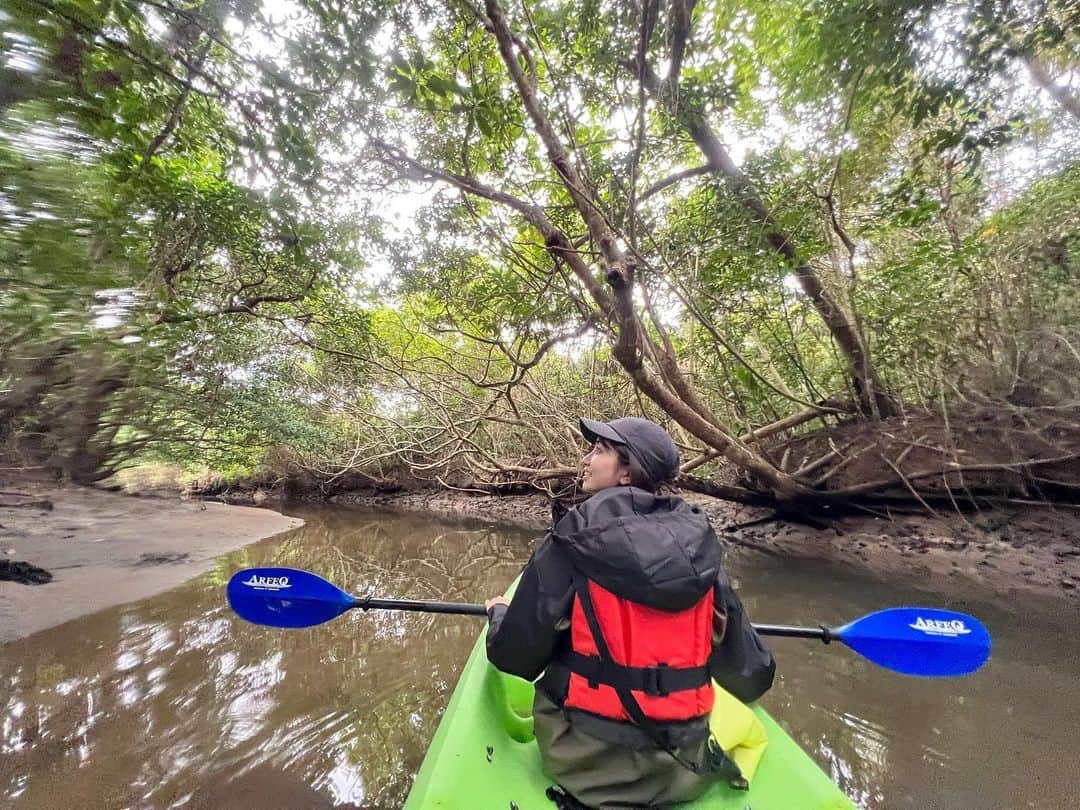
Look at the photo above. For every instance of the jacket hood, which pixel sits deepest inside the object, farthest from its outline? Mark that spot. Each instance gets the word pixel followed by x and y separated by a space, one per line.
pixel 656 550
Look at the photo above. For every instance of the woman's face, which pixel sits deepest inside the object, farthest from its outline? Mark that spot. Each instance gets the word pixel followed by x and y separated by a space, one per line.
pixel 601 469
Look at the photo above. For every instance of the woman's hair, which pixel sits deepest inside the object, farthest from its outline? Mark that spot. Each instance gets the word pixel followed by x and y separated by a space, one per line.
pixel 638 477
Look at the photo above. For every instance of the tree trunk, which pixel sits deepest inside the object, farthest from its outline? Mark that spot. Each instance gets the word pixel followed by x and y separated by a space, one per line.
pixel 871 393
pixel 1043 78
pixel 674 395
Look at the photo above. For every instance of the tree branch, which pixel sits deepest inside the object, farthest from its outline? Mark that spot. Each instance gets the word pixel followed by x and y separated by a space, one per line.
pixel 678 177
pixel 871 391
pixel 555 240
pixel 680 36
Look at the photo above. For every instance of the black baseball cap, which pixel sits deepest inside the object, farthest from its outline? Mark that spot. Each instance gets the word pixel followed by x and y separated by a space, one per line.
pixel 647 442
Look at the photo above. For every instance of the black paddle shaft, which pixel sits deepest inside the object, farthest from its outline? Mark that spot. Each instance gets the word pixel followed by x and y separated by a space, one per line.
pixel 792 631
pixel 464 609
pixel 459 608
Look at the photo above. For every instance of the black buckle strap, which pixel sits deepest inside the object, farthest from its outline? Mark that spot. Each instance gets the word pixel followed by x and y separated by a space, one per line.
pixel 563 800
pixel 660 680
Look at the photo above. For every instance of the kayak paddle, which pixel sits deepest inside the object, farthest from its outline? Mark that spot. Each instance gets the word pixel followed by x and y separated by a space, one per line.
pixel 911 640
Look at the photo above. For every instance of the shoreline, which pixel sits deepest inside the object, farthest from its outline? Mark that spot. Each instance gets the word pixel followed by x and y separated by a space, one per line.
pixel 1033 554
pixel 105 549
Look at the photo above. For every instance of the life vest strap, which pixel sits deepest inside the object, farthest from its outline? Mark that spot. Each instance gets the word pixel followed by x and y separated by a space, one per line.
pixel 659 680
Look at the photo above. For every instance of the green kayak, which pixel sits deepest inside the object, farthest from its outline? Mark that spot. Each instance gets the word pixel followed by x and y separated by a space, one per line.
pixel 484 756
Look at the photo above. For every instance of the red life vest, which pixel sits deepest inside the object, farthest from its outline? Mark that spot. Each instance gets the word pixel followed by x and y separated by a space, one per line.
pixel 659 656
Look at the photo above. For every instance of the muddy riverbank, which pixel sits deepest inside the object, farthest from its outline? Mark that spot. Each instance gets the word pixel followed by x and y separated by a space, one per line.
pixel 102 548
pixel 1029 553
pixel 68 552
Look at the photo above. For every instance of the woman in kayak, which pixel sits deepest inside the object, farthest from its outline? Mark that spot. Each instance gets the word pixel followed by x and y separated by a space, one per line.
pixel 626 610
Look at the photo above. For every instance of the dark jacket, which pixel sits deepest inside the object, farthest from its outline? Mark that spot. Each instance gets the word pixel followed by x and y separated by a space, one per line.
pixel 652 549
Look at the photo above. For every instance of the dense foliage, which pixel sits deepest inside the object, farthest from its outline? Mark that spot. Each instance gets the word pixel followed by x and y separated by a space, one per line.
pixel 353 238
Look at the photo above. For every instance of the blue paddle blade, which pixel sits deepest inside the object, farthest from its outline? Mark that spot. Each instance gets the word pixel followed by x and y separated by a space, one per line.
pixel 285 597
pixel 919 641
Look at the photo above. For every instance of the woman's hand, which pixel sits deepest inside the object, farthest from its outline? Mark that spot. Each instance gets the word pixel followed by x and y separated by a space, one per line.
pixel 495 600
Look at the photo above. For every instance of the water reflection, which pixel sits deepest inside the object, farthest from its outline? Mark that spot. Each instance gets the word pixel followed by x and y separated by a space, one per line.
pixel 161 704
pixel 174 702
pixel 1002 738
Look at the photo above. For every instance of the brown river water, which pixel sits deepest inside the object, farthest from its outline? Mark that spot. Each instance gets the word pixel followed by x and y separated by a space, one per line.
pixel 175 702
